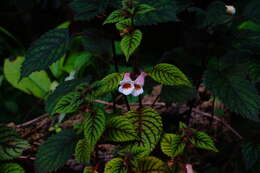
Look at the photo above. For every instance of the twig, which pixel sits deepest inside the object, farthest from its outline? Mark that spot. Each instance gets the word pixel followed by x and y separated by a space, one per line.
pixel 213 111
pixel 26 157
pixel 32 121
pixel 155 100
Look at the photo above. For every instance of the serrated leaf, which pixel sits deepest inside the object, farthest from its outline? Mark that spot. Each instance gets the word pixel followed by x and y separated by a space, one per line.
pixel 172 145
pixel 49 48
pixel 204 141
pixel 94 126
pixel 37 84
pixel 169 74
pixel 114 17
pixel 132 154
pixel 55 152
pixel 237 93
pixel 115 165
pixel 89 169
pixel 251 153
pixel 69 103
pixel 148 125
pixel 151 165
pixel 83 151
pixel 88 9
pixel 130 42
pixel 11 145
pixel 120 129
pixel 143 8
pixel 63 89
pixel 11 168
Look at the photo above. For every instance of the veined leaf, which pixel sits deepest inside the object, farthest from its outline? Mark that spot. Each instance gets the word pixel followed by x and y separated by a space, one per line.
pixel 11 145
pixel 123 24
pixel 151 165
pixel 172 145
pixel 130 42
pixel 88 9
pixel 148 125
pixel 115 165
pixel 132 154
pixel 11 168
pixel 37 84
pixel 143 8
pixel 49 48
pixel 237 93
pixel 120 129
pixel 251 153
pixel 254 71
pixel 115 16
pixel 83 151
pixel 204 141
pixel 168 74
pixel 94 126
pixel 55 152
pixel 89 169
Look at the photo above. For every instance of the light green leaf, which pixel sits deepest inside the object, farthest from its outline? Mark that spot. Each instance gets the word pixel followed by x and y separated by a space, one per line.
pixel 143 8
pixel 151 165
pixel 172 145
pixel 204 141
pixel 115 16
pixel 37 84
pixel 83 151
pixel 123 24
pixel 11 168
pixel 115 165
pixel 130 42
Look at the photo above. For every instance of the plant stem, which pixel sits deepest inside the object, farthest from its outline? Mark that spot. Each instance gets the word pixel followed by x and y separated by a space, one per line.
pixel 213 110
pixel 140 101
pixel 155 100
pixel 127 103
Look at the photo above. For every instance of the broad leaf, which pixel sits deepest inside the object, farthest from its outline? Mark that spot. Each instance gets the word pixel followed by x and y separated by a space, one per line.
pixel 151 165
pixel 251 154
pixel 88 9
pixel 49 48
pixel 55 152
pixel 89 169
pixel 120 129
pixel 94 126
pixel 11 168
pixel 83 151
pixel 204 141
pixel 37 84
pixel 252 11
pixel 11 145
pixel 172 145
pixel 130 42
pixel 115 165
pixel 115 16
pixel 143 8
pixel 168 74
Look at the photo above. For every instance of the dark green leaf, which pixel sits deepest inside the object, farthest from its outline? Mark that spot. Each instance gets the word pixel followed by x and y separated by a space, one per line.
pixel 204 141
pixel 11 168
pixel 252 11
pixel 83 151
pixel 251 153
pixel 172 145
pixel 115 165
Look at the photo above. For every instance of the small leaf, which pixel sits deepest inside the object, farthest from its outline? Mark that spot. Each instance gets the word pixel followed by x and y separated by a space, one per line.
pixel 151 165
pixel 49 48
pixel 182 125
pixel 130 42
pixel 202 140
pixel 89 169
pixel 55 152
pixel 143 8
pixel 123 24
pixel 168 74
pixel 115 165
pixel 83 151
pixel 172 145
pixel 114 17
pixel 11 168
pixel 251 153
pixel 94 126
pixel 120 129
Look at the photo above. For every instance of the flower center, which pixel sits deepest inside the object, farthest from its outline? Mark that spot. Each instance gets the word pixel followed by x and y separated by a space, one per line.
pixel 137 87
pixel 127 85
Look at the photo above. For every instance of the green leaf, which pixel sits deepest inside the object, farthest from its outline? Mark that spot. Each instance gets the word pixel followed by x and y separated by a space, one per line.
pixel 115 165
pixel 151 165
pixel 182 125
pixel 11 168
pixel 94 126
pixel 37 84
pixel 252 11
pixel 204 141
pixel 62 90
pixel 143 8
pixel 55 152
pixel 88 9
pixel 49 48
pixel 254 71
pixel 69 103
pixel 172 145
pixel 148 126
pixel 251 154
pixel 83 151
pixel 237 93
pixel 123 24
pixel 89 169
pixel 11 145
pixel 130 42
pixel 169 74
pixel 120 129
pixel 114 17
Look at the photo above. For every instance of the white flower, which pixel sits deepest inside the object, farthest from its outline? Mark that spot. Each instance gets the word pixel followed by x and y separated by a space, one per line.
pixel 138 84
pixel 126 85
pixel 71 76
pixel 230 9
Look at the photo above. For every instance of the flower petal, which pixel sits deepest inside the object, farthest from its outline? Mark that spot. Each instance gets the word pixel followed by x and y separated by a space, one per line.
pixel 140 79
pixel 126 90
pixel 137 92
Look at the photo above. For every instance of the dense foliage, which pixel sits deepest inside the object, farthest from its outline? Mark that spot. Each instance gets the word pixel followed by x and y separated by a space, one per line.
pixel 101 58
